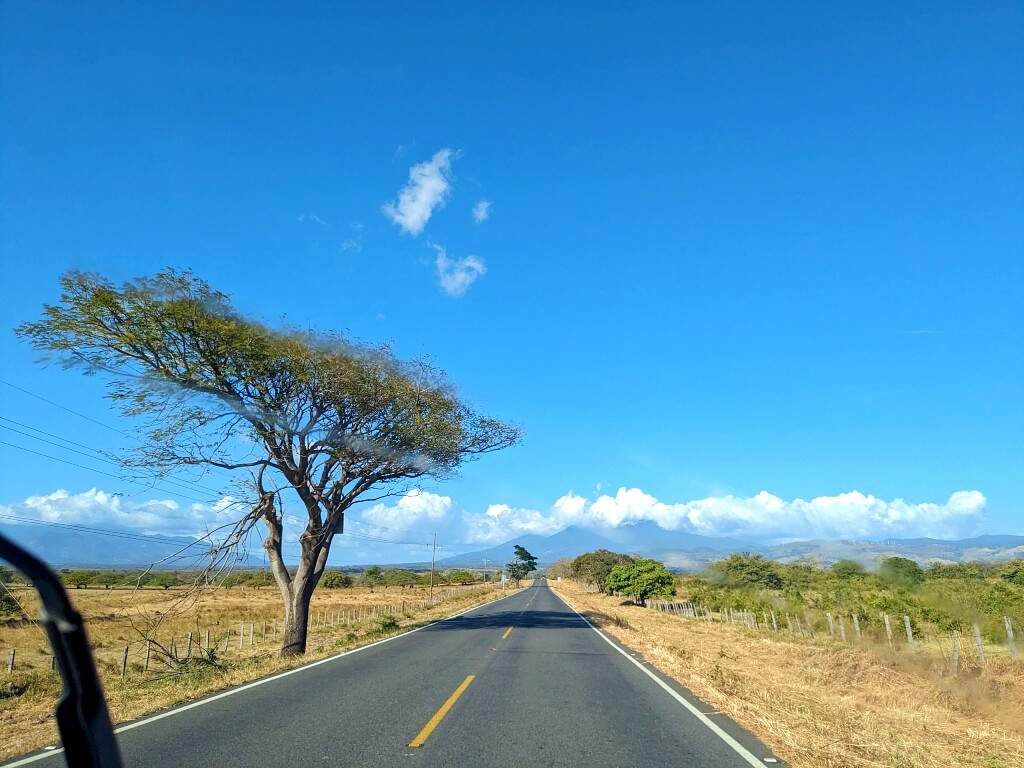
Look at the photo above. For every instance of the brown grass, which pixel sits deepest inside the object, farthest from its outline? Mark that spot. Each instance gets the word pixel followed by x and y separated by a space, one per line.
pixel 116 618
pixel 818 703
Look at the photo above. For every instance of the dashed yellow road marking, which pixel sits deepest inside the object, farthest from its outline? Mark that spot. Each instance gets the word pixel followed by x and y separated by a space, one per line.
pixel 507 633
pixel 439 715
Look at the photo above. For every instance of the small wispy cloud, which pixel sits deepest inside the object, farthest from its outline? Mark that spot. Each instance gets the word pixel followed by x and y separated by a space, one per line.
pixel 482 211
pixel 354 243
pixel 428 188
pixel 312 218
pixel 456 275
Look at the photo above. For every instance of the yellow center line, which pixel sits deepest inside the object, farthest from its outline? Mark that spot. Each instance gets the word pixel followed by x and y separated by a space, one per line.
pixel 507 633
pixel 439 715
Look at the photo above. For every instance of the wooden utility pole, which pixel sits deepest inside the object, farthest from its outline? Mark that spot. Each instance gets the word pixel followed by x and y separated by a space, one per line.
pixel 433 551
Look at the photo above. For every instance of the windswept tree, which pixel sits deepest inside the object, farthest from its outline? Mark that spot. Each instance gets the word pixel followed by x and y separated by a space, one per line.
pixel 523 565
pixel 317 417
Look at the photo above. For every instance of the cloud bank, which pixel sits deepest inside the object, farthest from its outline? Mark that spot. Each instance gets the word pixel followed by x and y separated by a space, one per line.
pixel 428 188
pixel 456 275
pixel 763 516
pixel 417 514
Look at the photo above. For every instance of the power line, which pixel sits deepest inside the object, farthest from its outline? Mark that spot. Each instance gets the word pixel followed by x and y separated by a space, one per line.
pixel 92 452
pixel 109 474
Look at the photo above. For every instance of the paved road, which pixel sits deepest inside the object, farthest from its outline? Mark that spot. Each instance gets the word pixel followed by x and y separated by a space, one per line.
pixel 547 690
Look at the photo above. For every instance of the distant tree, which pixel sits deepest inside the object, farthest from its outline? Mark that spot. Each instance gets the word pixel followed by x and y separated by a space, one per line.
pixel 464 577
pixel 260 579
pixel 6 574
pixel 335 580
pixel 640 579
pixel 108 578
pixel 746 569
pixel 397 577
pixel 165 580
pixel 80 579
pixel 371 577
pixel 523 565
pixel 900 572
pixel 847 569
pixel 561 568
pixel 326 420
pixel 8 605
pixel 594 567
pixel 1013 571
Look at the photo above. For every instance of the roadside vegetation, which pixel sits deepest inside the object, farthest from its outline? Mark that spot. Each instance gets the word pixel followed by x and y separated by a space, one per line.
pixel 818 701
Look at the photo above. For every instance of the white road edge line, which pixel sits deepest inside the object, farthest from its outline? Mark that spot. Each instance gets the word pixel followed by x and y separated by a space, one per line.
pixel 736 746
pixel 231 692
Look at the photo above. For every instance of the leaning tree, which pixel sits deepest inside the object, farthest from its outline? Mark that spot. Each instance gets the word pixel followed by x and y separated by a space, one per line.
pixel 315 415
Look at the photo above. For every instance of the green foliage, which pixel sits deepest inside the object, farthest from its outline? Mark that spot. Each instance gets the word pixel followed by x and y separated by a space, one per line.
pixel 746 570
pixel 388 623
pixel 594 567
pixel 523 565
pixel 464 577
pixel 79 579
pixel 335 580
pixel 8 605
pixel 371 577
pixel 6 575
pixel 640 580
pixel 900 572
pixel 848 569
pixel 1013 571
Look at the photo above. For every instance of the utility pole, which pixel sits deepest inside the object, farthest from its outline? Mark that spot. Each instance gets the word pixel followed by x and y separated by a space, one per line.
pixel 486 561
pixel 433 551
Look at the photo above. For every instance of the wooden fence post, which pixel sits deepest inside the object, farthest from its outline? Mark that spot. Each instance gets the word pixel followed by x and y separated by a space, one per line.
pixel 207 639
pixel 775 624
pixel 956 653
pixel 241 635
pixel 10 664
pixel 856 626
pixel 831 624
pixel 977 641
pixel 149 644
pixel 1010 642
pixel 842 630
pixel 251 633
pixel 789 623
pixel 124 662
pixel 888 631
pixel 188 647
pixel 910 632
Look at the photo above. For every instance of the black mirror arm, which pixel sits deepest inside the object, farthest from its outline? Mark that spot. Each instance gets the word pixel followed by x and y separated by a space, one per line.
pixel 82 716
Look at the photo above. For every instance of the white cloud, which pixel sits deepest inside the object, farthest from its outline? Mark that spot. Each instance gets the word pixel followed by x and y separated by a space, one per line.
pixel 456 275
pixel 428 188
pixel 312 217
pixel 482 211
pixel 98 509
pixel 845 516
pixel 410 511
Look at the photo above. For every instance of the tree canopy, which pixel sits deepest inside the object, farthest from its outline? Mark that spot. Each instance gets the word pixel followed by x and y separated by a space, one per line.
pixel 317 414
pixel 640 579
pixel 594 567
pixel 522 566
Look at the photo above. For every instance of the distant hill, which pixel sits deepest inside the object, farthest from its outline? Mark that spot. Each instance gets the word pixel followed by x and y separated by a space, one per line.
pixel 688 551
pixel 63 547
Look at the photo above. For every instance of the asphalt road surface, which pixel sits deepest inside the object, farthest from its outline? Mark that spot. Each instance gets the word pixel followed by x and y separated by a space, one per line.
pixel 523 681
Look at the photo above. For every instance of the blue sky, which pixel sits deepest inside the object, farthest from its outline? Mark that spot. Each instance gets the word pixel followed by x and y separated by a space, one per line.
pixel 729 249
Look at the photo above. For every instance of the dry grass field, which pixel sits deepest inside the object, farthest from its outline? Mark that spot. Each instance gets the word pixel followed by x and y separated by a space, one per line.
pixel 340 619
pixel 819 704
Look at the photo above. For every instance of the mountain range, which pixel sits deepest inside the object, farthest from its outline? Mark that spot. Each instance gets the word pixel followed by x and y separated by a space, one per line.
pixel 680 551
